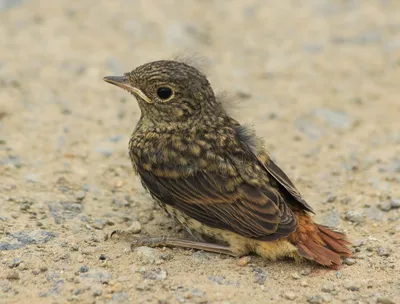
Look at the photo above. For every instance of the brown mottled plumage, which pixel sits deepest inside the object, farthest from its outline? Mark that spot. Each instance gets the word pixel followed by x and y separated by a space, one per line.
pixel 213 176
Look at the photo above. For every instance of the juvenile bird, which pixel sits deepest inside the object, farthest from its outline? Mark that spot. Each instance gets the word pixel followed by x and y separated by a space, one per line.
pixel 212 174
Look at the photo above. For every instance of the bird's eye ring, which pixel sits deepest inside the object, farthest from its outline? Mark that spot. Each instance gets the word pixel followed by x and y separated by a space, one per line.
pixel 164 93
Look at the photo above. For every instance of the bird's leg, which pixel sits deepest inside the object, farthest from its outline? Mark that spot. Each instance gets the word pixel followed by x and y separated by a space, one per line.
pixel 165 241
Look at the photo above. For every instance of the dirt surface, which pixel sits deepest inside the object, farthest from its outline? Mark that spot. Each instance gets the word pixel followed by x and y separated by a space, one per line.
pixel 319 82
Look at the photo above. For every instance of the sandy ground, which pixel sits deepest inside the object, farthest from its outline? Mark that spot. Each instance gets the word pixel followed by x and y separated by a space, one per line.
pixel 319 82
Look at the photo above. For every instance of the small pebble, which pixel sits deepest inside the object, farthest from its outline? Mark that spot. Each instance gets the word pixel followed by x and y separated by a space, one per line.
pixel 304 283
pixel 383 252
pixel 15 263
pixel 99 224
pixel 260 276
pixel 102 257
pixel 35 271
pixel 290 295
pixel 75 247
pixel 350 285
pixel 77 291
pixel 326 298
pixel 244 261
pixel 315 299
pixel 395 203
pixel 43 268
pixel 72 299
pixel 147 254
pixel 83 269
pixel 306 272
pixel 350 261
pixel 80 195
pixel 295 276
pixel 97 292
pixel 385 300
pixel 354 216
pixel 157 274
pixel 331 198
pixel 328 287
pixel 135 227
pixel 13 275
pixel 166 256
pixel 385 206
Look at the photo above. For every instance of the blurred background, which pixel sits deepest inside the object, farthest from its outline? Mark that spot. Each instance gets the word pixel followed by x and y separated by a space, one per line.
pixel 318 80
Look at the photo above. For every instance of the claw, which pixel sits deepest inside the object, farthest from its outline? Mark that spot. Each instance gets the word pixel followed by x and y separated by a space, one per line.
pixel 114 232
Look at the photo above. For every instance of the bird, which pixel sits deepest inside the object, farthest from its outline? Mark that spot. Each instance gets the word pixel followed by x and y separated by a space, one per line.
pixel 213 174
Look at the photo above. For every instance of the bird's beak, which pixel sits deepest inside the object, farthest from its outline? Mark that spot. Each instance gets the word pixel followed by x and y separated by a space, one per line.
pixel 123 82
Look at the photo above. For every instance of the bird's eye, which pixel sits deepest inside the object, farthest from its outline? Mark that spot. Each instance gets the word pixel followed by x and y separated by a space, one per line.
pixel 164 93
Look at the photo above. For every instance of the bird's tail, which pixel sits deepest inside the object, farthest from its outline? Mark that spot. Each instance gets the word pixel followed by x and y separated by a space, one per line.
pixel 319 243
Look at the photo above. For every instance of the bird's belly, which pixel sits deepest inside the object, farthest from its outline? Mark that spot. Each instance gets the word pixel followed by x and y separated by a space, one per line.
pixel 204 233
pixel 239 245
pixel 198 230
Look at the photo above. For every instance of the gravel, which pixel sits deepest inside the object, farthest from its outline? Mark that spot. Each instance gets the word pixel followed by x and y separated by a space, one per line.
pixel 147 255
pixel 244 261
pixel 350 261
pixel 260 276
pixel 395 203
pixel 64 210
pixel 20 239
pixel 385 300
pixel 156 274
pixel 328 287
pixel 83 269
pixel 135 227
pixel 290 295
pixel 317 299
pixel 12 275
pixel 350 285
pixel 354 216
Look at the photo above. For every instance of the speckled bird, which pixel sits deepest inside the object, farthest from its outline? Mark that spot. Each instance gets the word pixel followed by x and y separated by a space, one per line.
pixel 213 175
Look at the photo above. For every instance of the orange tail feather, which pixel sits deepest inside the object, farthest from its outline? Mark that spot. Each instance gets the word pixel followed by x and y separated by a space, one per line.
pixel 320 243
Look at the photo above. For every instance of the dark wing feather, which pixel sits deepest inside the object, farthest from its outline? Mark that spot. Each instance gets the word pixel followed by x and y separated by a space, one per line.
pixel 247 210
pixel 286 183
pixel 249 139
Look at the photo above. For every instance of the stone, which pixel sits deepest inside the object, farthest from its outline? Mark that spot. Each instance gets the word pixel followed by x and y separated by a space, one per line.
pixel 350 261
pixel 315 299
pixel 83 269
pixel 147 254
pixel 157 274
pixel 395 203
pixel 134 228
pixel 354 216
pixel 12 275
pixel 244 261
pixel 328 287
pixel 385 300
pixel 350 285
pixel 290 295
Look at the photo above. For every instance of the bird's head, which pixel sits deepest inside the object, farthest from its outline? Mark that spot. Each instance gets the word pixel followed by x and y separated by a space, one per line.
pixel 169 91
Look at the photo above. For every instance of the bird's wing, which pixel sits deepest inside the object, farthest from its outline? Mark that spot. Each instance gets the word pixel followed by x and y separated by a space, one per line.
pixel 248 138
pixel 224 202
pixel 286 183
